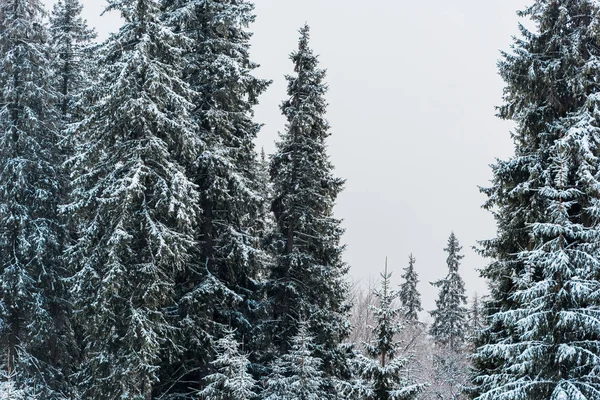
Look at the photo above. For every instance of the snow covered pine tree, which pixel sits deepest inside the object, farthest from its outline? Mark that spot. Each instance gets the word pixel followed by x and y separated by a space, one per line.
pixel 35 336
pixel 297 374
pixel 135 206
pixel 220 288
pixel 449 327
pixel 409 295
pixel 308 275
pixel 544 337
pixel 232 379
pixel 382 373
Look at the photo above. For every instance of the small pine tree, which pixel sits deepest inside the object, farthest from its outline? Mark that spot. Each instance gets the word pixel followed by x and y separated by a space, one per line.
pixel 297 374
pixel 232 379
pixel 409 295
pixel 382 372
pixel 450 316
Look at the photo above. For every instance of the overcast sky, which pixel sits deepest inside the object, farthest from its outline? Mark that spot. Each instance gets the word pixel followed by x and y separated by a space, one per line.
pixel 412 91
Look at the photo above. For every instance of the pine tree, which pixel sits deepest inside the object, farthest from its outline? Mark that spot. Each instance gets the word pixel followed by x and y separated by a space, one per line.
pixel 542 341
pixel 557 345
pixel 308 273
pixel 136 208
pixel 450 316
pixel 232 381
pixel 221 287
pixel 297 374
pixel 71 44
pixel 409 295
pixel 476 318
pixel 382 373
pixel 35 335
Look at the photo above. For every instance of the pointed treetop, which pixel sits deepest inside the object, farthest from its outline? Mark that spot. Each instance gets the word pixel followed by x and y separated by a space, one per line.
pixel 409 295
pixel 304 36
pixel 450 316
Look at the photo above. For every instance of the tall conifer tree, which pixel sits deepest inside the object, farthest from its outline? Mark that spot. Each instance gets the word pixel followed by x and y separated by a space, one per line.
pixel 135 205
pixel 543 341
pixel 35 335
pixel 221 286
pixel 409 295
pixel 450 316
pixel 308 275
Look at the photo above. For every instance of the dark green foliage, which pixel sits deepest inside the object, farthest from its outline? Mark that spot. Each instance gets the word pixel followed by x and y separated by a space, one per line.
pixel 36 340
pixel 297 374
pixel 544 199
pixel 136 209
pixel 71 47
pixel 409 295
pixel 307 279
pixel 221 286
pixel 449 327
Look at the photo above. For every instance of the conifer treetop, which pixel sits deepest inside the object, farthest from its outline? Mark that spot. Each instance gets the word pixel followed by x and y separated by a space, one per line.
pixel 409 294
pixel 450 316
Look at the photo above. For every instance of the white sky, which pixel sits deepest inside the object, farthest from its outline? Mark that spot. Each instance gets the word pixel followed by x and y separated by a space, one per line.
pixel 413 86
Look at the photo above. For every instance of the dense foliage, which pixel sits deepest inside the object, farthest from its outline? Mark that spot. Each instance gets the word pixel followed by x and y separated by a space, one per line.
pixel 148 252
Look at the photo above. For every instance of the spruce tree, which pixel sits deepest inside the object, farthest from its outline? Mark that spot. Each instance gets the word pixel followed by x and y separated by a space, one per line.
pixel 36 341
pixel 297 374
pixel 557 345
pixel 71 40
pixel 221 286
pixel 409 295
pixel 476 318
pixel 308 273
pixel 232 379
pixel 450 316
pixel 135 206
pixel 542 340
pixel 382 372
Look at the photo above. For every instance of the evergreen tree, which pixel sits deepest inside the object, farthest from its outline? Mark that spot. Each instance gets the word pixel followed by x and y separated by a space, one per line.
pixel 542 339
pixel 221 287
pixel 476 318
pixel 297 374
pixel 135 206
pixel 409 295
pixel 450 316
pixel 382 373
pixel 557 346
pixel 232 381
pixel 308 273
pixel 36 341
pixel 71 44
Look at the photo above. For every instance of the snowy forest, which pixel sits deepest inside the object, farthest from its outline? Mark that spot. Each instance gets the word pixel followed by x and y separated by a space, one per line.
pixel 150 250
